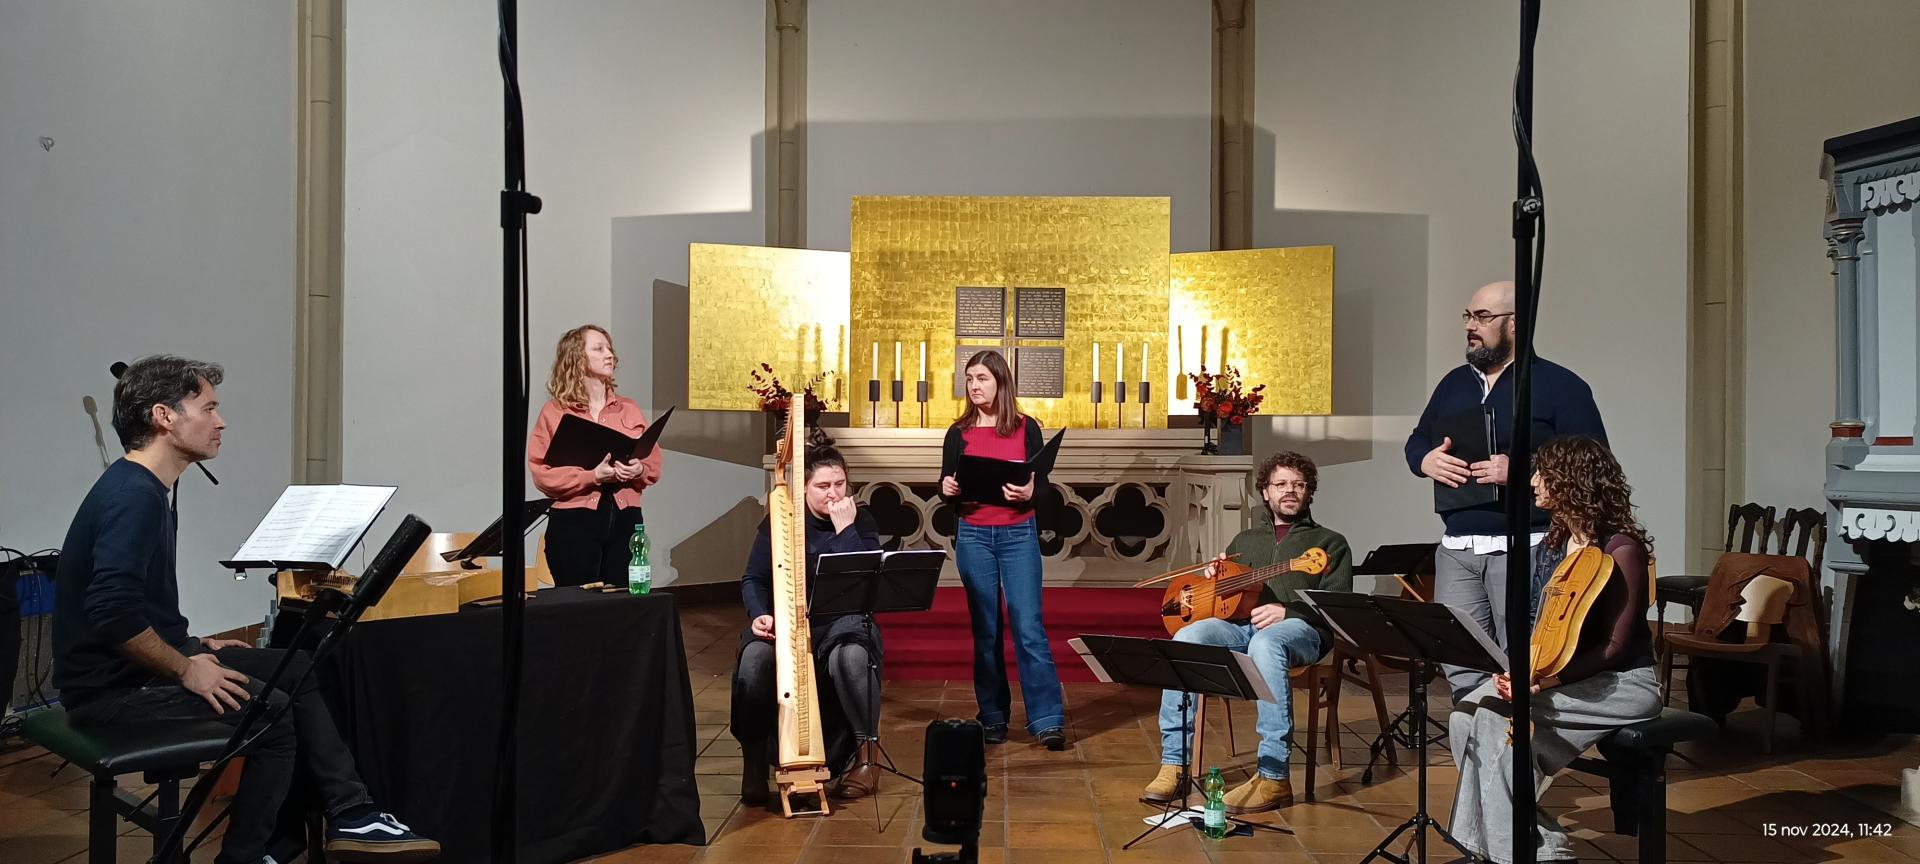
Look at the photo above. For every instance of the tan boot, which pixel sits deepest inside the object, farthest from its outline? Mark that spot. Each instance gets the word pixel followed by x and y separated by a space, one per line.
pixel 864 777
pixel 1259 795
pixel 1166 786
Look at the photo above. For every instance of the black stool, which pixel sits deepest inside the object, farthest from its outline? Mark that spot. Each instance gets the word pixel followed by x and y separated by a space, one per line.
pixel 1636 770
pixel 164 753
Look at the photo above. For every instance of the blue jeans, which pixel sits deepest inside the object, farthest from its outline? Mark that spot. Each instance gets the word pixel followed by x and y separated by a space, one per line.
pixel 997 561
pixel 1287 645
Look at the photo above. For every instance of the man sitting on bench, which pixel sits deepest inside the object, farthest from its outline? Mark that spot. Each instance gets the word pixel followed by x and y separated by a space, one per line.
pixel 121 650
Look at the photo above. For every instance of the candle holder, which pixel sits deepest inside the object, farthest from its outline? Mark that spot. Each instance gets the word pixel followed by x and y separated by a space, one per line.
pixel 1120 404
pixel 920 391
pixel 899 396
pixel 1096 404
pixel 873 402
pixel 1146 395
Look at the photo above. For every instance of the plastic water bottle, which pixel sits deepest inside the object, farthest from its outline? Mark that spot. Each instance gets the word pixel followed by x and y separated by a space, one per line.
pixel 639 569
pixel 1216 816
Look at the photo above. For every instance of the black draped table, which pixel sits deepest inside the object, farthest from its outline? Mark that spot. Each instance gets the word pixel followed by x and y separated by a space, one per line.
pixel 606 724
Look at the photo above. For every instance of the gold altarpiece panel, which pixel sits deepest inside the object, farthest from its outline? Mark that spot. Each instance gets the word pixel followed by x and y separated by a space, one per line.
pixel 1269 310
pixel 761 304
pixel 910 254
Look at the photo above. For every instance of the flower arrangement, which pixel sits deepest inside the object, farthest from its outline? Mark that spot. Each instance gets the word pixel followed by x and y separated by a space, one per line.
pixel 1220 398
pixel 775 397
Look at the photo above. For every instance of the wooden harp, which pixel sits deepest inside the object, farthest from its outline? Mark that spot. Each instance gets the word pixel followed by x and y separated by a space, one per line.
pixel 802 766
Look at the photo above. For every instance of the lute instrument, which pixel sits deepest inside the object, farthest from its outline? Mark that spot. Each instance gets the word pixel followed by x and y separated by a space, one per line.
pixel 801 769
pixel 1231 592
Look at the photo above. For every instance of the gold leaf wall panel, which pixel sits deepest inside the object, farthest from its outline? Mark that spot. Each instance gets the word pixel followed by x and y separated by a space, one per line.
pixel 759 304
pixel 1271 310
pixel 1110 254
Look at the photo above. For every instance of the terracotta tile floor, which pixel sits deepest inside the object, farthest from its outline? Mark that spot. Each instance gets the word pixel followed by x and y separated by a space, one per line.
pixel 1078 806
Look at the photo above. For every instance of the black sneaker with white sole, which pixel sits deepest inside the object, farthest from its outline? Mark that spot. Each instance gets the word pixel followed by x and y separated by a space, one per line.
pixel 377 837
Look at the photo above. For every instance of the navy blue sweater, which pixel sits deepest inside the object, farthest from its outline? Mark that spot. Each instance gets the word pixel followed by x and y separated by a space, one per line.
pixel 1561 402
pixel 756 584
pixel 116 579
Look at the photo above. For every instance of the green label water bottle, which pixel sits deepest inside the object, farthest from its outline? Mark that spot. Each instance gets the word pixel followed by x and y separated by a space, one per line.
pixel 1216 817
pixel 639 569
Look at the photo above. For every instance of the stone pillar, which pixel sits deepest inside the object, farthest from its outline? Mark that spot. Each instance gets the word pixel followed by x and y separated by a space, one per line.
pixel 1844 233
pixel 1716 373
pixel 1232 124
pixel 319 218
pixel 786 123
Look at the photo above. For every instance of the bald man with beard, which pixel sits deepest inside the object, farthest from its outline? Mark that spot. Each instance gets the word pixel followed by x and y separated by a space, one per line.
pixel 1471 563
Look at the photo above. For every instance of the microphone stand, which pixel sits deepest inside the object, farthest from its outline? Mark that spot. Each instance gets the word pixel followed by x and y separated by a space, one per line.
pixel 1529 223
pixel 260 712
pixel 515 205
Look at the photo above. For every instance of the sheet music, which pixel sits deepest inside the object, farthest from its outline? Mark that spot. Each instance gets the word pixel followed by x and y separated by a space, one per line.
pixel 1344 637
pixel 1261 691
pixel 315 524
pixel 1079 647
pixel 1487 644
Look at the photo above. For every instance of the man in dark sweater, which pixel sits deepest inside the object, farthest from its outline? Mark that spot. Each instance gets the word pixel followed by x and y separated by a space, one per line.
pixel 1283 634
pixel 122 653
pixel 849 691
pixel 1471 563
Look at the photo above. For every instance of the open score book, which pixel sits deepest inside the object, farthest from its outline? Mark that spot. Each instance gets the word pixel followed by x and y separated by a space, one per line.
pixel 311 528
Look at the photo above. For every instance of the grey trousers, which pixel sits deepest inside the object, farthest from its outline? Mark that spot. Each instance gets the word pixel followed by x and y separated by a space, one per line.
pixel 1476 585
pixel 1566 721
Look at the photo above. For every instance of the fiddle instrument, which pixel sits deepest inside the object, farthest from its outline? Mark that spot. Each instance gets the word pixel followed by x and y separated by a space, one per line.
pixel 1564 603
pixel 1230 592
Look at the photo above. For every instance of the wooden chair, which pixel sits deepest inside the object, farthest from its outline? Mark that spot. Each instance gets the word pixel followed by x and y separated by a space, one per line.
pixel 1751 523
pixel 1763 606
pixel 1803 533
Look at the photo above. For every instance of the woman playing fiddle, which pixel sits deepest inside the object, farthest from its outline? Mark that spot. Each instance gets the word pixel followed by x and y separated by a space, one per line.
pixel 1598 673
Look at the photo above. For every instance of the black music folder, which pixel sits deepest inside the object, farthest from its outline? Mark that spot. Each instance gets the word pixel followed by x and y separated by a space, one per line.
pixel 582 443
pixel 981 477
pixel 1472 434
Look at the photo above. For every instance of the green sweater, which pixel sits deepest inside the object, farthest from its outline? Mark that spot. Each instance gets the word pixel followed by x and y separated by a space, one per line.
pixel 1257 549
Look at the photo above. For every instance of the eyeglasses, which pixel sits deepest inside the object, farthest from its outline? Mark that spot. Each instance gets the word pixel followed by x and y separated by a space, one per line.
pixel 1482 318
pixel 1288 484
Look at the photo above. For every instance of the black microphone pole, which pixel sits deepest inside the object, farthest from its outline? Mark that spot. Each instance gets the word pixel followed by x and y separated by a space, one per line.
pixel 1528 218
pixel 515 205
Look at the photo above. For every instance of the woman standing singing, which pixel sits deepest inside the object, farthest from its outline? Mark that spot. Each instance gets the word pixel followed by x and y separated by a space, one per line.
pixel 594 511
pixel 998 553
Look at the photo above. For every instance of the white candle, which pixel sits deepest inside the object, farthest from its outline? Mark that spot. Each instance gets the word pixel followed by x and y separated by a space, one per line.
pixel 876 361
pixel 1143 362
pixel 1096 362
pixel 896 361
pixel 1120 363
pixel 923 359
pixel 1223 349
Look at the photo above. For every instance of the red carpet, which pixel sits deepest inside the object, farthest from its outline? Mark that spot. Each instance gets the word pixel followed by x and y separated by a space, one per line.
pixel 937 645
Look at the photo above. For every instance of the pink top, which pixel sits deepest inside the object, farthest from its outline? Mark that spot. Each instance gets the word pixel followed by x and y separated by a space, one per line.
pixel 987 441
pixel 571 487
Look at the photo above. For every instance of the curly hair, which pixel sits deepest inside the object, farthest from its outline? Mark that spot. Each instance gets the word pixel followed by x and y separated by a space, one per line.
pixel 1289 459
pixel 821 452
pixel 567 383
pixel 1589 492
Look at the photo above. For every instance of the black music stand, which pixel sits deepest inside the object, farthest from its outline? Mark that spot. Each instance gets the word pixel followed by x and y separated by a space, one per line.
pixel 1401 561
pixel 1192 669
pixel 1429 634
pixel 488 543
pixel 867 583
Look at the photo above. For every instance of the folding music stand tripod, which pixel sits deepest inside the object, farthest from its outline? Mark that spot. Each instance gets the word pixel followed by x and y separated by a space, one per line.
pixel 1428 634
pixel 865 584
pixel 1402 561
pixel 1194 670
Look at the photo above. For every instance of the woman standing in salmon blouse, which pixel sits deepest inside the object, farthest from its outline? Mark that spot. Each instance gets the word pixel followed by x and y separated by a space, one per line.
pixel 594 511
